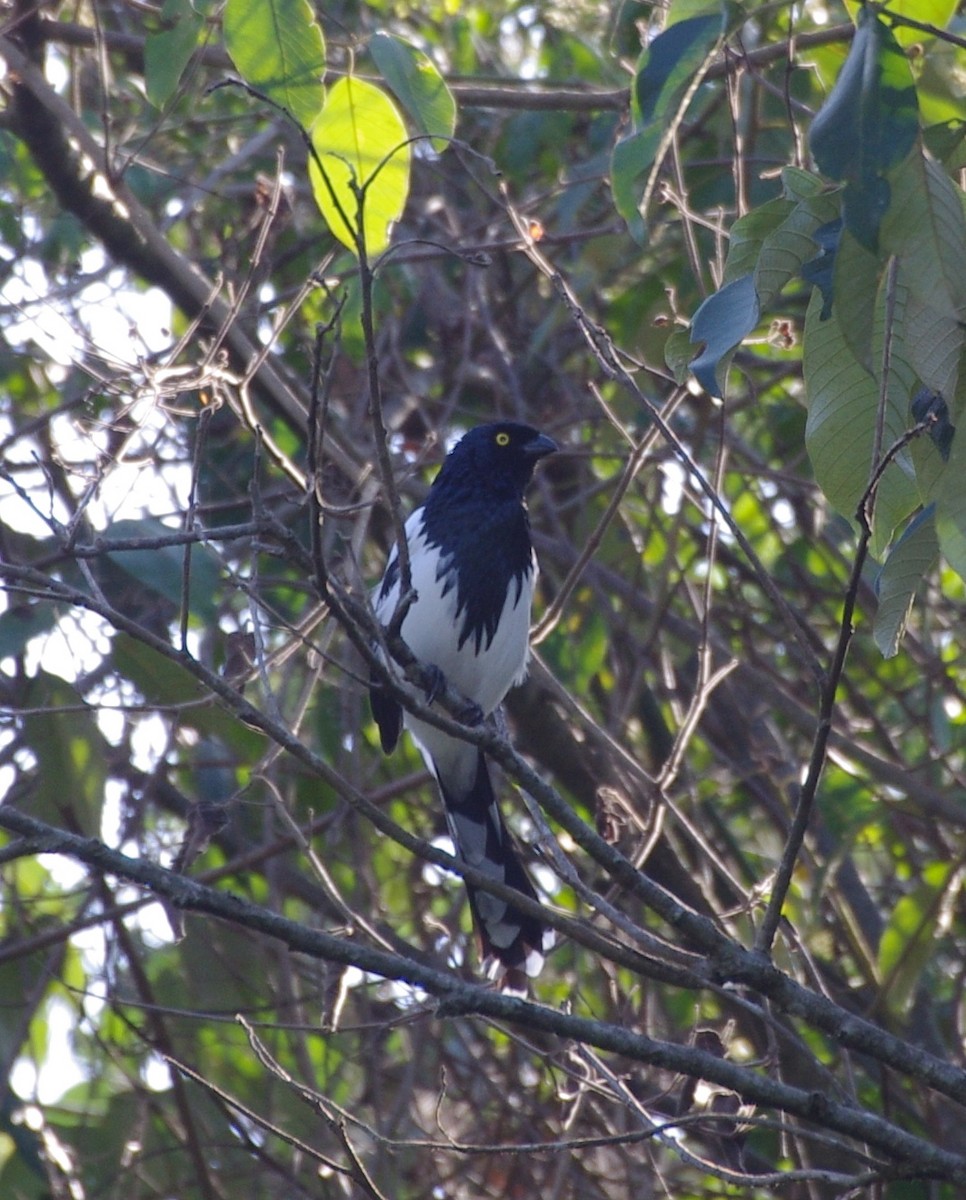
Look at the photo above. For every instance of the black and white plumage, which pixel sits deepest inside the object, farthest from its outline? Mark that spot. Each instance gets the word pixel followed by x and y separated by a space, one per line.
pixel 473 570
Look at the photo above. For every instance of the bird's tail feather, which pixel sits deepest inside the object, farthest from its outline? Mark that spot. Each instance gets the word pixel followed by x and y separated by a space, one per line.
pixel 511 940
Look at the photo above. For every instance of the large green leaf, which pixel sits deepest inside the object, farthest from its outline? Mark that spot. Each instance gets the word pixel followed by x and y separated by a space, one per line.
pixel 931 454
pixel 949 493
pixel 278 48
pixel 418 87
pixel 926 228
pixel 784 248
pixel 749 233
pixel 910 561
pixel 167 52
pixel 934 340
pixel 666 68
pixel 856 278
pixel 165 683
pixel 769 246
pixel 843 397
pixel 867 125
pixel 362 164
pixel 820 270
pixel 721 323
pixel 161 569
pixel 669 72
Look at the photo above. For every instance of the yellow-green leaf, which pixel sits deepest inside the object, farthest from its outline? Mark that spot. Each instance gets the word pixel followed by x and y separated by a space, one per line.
pixel 361 163
pixel 935 13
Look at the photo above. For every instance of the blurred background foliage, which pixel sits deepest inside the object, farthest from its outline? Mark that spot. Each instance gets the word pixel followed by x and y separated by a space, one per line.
pixel 175 316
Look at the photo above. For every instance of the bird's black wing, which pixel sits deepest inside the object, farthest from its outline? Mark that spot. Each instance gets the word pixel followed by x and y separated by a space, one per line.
pixel 386 712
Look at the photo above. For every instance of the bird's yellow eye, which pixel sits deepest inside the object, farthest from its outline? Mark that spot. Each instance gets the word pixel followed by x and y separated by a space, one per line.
pixel 503 439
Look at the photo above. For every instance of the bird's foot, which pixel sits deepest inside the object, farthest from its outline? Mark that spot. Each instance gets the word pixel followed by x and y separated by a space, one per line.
pixel 468 714
pixel 435 682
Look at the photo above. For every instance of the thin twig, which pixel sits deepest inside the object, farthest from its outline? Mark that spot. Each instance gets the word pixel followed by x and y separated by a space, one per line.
pixel 608 359
pixel 458 998
pixel 634 463
pixel 816 763
pixel 728 961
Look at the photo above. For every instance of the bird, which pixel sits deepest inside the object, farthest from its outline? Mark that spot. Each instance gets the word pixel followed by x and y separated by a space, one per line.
pixel 473 568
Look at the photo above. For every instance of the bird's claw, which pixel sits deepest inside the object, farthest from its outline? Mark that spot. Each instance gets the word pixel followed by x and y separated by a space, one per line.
pixel 435 682
pixel 469 714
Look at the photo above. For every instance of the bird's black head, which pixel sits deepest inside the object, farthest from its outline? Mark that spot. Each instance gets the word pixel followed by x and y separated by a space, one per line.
pixel 495 458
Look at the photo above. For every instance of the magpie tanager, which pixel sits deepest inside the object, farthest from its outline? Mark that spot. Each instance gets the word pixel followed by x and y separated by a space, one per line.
pixel 473 569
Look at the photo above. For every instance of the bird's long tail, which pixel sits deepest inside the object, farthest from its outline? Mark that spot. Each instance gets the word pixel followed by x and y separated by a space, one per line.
pixel 512 940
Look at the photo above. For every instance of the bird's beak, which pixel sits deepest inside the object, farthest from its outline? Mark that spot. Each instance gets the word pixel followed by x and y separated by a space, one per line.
pixel 540 446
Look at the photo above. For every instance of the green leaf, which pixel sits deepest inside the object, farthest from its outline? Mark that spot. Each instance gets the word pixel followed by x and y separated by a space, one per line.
pixel 820 270
pixel 684 10
pixel 855 285
pixel 167 684
pixel 843 397
pixel 678 353
pixel 666 68
pixel 669 72
pixel 911 559
pixel 946 141
pixel 908 941
pixel 23 622
pixel 926 228
pixel 799 184
pixel 868 124
pixel 363 163
pixel 278 48
pixel 930 405
pixel 785 249
pixel 950 497
pixel 61 730
pixel 722 322
pixel 748 234
pixel 167 52
pixel 937 13
pixel 927 225
pixel 936 341
pixel 930 457
pixel 769 246
pixel 161 569
pixel 418 87
pixel 628 163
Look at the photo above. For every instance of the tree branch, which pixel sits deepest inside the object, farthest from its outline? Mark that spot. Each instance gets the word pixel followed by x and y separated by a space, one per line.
pixel 464 999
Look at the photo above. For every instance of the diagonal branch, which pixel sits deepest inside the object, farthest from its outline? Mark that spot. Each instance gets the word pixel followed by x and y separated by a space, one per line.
pixel 910 1153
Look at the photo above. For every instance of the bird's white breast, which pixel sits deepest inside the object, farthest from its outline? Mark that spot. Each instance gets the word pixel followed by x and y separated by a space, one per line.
pixel 432 628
